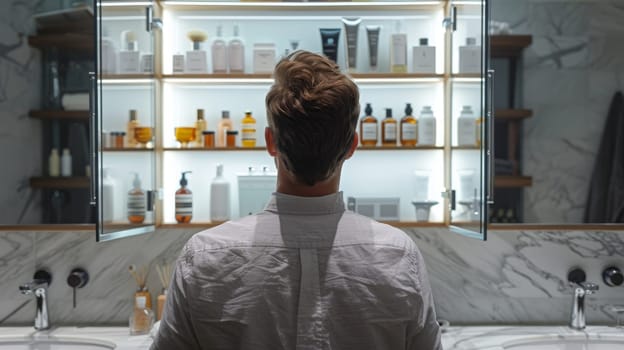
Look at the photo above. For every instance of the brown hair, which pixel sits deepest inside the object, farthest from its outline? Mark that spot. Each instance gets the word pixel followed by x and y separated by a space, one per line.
pixel 312 110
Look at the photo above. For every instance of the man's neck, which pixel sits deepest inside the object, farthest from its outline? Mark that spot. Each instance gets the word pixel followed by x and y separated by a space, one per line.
pixel 288 185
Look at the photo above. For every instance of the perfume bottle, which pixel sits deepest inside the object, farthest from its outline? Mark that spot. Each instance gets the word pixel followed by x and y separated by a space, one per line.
pixel 219 53
pixel 368 127
pixel 183 201
pixel 424 57
pixel 236 53
pixel 200 126
pixel 389 129
pixel 129 55
pixel 132 124
pixel 248 128
pixel 470 57
pixel 196 61
pixel 409 128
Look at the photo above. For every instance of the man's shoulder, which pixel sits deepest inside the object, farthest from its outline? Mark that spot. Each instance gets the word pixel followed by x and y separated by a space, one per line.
pixel 368 230
pixel 228 234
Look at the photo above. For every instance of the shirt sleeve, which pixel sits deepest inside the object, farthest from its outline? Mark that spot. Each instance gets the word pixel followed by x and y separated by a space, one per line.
pixel 176 330
pixel 424 331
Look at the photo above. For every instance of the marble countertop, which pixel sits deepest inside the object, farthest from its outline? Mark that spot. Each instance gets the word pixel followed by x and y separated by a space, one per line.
pixel 453 338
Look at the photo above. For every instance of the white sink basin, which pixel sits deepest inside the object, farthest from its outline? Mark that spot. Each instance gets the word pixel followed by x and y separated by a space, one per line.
pixel 54 344
pixel 565 343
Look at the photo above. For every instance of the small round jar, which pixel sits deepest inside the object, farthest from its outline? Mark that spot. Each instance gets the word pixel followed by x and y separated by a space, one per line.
pixel 209 138
pixel 231 136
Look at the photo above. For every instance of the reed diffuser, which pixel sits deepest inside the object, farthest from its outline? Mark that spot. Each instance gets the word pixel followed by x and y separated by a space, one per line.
pixel 140 277
pixel 164 274
pixel 142 317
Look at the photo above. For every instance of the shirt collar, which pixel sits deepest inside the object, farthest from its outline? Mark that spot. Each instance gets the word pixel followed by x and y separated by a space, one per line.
pixel 288 204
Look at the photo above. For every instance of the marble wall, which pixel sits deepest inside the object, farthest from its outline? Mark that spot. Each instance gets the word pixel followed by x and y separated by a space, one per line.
pixel 516 277
pixel 571 72
pixel 20 136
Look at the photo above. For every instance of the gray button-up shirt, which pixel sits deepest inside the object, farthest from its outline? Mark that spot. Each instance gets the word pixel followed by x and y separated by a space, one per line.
pixel 304 274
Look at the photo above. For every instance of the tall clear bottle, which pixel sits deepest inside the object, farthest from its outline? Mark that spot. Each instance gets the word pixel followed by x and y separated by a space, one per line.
pixel 389 129
pixel 183 201
pixel 368 127
pixel 409 128
pixel 219 53
pixel 132 124
pixel 236 53
pixel 200 126
pixel 248 128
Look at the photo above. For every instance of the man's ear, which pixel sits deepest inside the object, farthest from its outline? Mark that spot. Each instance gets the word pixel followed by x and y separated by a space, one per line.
pixel 270 143
pixel 354 144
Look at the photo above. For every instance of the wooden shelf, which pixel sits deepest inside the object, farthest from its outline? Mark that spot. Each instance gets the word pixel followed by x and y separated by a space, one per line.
pixel 60 182
pixel 513 114
pixel 215 149
pixel 509 45
pixel 267 76
pixel 59 115
pixel 360 148
pixel 508 181
pixel 109 149
pixel 74 42
pixel 138 76
pixel 466 148
pixel 206 225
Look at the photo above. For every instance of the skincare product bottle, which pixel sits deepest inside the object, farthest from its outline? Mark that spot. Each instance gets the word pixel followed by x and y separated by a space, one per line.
pixel 54 163
pixel 200 126
pixel 409 128
pixel 183 201
pixel 108 196
pixel 372 34
pixel 219 197
pixel 398 51
pixel 196 61
pixel 264 57
pixel 109 56
pixel 467 128
pixel 142 318
pixel 230 138
pixel 424 57
pixel 132 124
pixel 329 41
pixel 129 54
pixel 389 129
pixel 66 163
pixel 352 27
pixel 236 53
pixel 248 128
pixel 136 202
pixel 470 57
pixel 426 127
pixel 178 63
pixel 368 127
pixel 219 53
pixel 225 124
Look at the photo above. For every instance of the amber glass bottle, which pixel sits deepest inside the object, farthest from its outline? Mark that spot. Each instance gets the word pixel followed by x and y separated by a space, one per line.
pixel 248 128
pixel 368 127
pixel 183 202
pixel 409 128
pixel 389 129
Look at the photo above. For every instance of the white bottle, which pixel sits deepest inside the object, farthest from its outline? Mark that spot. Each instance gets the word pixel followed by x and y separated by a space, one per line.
pixel 219 197
pixel 236 53
pixel 54 163
pixel 398 51
pixel 219 53
pixel 66 163
pixel 424 57
pixel 108 196
pixel 470 57
pixel 467 128
pixel 426 127
pixel 129 54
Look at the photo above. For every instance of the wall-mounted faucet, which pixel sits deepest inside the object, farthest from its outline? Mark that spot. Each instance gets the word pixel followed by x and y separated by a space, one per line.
pixel 577 279
pixel 38 286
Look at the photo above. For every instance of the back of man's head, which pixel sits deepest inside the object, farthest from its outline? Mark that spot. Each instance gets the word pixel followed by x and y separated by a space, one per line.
pixel 312 111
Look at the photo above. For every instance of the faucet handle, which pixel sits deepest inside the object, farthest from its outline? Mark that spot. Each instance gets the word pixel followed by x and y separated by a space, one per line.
pixel 576 276
pixel 590 288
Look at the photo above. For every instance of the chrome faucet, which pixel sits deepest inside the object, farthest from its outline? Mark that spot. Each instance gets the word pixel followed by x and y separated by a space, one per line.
pixel 38 286
pixel 576 278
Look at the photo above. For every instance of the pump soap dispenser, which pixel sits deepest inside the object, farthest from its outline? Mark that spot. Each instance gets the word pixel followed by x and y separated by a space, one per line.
pixel 183 201
pixel 219 197
pixel 136 202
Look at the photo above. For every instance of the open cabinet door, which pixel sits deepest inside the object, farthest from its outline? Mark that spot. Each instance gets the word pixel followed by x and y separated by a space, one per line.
pixel 471 118
pixel 123 120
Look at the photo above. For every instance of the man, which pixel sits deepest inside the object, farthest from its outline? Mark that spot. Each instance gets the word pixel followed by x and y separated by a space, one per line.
pixel 304 273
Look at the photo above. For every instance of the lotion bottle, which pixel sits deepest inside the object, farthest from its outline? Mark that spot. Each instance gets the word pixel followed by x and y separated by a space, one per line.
pixel 183 201
pixel 248 128
pixel 470 57
pixel 389 129
pixel 409 128
pixel 200 126
pixel 368 127
pixel 398 51
pixel 467 128
pixel 66 163
pixel 219 53
pixel 424 57
pixel 219 197
pixel 426 127
pixel 236 53
pixel 225 124
pixel 136 202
